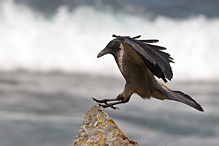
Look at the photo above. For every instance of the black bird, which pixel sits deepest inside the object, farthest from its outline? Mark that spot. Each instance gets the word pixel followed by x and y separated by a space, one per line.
pixel 139 61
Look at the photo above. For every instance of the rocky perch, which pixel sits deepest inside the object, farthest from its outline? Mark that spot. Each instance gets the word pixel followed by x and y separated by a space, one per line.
pixel 100 130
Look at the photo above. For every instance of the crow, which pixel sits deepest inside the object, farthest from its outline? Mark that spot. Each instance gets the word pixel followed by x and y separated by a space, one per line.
pixel 139 62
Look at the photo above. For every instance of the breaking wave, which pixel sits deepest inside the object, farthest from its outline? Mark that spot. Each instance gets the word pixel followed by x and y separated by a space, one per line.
pixel 70 41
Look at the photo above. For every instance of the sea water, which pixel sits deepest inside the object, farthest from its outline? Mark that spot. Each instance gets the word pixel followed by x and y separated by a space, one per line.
pixel 49 72
pixel 48 109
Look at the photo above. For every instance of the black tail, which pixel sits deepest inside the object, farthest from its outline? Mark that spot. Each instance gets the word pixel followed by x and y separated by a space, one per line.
pixel 181 97
pixel 184 98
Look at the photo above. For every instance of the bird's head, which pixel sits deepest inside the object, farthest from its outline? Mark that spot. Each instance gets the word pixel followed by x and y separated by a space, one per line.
pixel 111 48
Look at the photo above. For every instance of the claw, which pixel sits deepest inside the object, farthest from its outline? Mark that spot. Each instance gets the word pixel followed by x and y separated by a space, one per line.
pixel 99 101
pixel 94 99
pixel 108 105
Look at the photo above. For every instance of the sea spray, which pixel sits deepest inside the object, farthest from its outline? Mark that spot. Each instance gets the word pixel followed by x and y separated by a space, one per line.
pixel 69 41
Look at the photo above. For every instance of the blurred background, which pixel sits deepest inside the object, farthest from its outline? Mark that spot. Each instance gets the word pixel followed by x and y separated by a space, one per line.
pixel 49 70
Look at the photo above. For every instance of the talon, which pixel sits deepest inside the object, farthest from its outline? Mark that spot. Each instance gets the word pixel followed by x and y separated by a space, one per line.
pixel 99 101
pixel 113 107
pixel 103 106
pixel 94 99
pixel 108 105
pixel 116 108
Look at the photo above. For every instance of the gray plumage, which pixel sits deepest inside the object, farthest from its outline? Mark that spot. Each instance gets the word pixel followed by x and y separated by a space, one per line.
pixel 139 62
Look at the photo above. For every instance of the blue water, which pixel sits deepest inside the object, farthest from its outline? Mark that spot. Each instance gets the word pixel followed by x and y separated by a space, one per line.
pixel 49 70
pixel 169 8
pixel 48 109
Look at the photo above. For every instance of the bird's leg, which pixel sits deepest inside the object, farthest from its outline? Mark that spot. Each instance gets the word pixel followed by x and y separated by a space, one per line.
pixel 107 104
pixel 120 99
pixel 105 100
pixel 111 105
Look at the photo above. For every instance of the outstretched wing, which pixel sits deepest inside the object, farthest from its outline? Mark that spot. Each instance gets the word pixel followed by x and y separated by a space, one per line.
pixel 154 58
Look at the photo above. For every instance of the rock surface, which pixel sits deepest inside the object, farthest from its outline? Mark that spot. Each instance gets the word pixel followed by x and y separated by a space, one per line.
pixel 100 130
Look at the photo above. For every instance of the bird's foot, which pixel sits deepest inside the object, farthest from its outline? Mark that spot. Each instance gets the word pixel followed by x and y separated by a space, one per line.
pixel 106 105
pixel 109 105
pixel 100 101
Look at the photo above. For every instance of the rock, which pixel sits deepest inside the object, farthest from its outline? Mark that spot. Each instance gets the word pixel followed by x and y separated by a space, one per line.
pixel 100 130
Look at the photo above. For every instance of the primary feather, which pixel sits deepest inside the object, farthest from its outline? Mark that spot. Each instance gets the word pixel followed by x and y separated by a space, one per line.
pixel 155 59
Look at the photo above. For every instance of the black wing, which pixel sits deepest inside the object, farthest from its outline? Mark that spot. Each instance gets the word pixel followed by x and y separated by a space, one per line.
pixel 156 60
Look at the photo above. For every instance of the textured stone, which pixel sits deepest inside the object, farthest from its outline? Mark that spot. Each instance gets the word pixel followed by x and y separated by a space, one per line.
pixel 100 130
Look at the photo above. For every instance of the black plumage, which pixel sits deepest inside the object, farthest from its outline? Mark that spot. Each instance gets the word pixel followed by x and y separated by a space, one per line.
pixel 139 61
pixel 156 60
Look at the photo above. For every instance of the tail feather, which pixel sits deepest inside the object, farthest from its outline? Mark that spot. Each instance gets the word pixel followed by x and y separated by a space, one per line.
pixel 181 97
pixel 184 98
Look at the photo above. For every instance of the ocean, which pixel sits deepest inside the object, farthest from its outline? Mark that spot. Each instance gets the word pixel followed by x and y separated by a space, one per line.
pixel 49 69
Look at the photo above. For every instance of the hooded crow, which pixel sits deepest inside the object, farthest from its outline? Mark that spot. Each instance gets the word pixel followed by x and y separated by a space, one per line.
pixel 139 62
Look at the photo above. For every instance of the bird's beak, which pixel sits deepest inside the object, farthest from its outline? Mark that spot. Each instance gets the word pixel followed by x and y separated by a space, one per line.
pixel 103 52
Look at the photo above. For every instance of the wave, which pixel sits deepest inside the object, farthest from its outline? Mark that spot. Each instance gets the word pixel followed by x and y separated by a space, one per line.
pixel 70 41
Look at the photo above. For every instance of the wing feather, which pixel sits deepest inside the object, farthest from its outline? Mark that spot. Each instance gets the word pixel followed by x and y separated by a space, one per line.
pixel 150 41
pixel 154 58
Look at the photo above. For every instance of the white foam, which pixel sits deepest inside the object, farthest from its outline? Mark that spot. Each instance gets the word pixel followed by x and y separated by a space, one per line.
pixel 70 41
